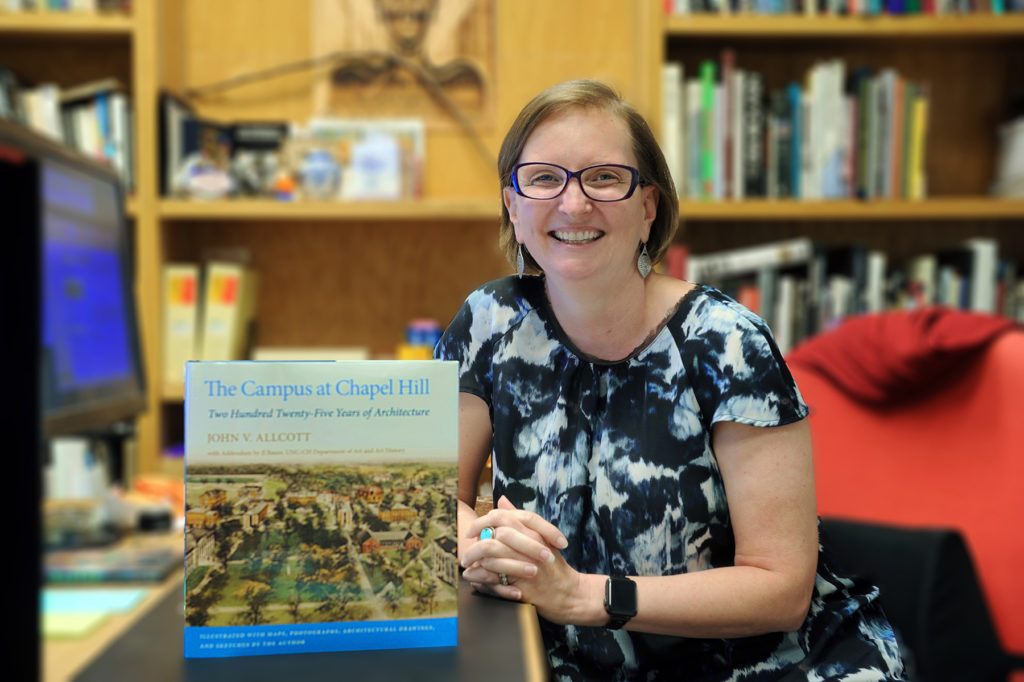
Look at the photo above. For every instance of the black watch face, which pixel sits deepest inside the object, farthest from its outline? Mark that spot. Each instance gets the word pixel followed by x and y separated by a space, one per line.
pixel 622 596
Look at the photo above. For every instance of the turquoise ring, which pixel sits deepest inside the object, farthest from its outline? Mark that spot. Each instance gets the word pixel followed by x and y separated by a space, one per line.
pixel 487 533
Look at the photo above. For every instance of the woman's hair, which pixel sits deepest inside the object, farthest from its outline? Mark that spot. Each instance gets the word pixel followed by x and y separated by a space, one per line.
pixel 587 93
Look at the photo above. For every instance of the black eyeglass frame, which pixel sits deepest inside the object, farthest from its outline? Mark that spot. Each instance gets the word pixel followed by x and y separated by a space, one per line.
pixel 635 180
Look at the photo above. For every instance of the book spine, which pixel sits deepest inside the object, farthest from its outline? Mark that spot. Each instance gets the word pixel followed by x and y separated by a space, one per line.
pixel 754 165
pixel 707 148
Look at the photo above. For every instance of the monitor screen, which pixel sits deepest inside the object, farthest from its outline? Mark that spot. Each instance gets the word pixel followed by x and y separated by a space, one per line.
pixel 90 367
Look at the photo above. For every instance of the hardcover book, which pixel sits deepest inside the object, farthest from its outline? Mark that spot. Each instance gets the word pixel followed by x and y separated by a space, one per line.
pixel 320 506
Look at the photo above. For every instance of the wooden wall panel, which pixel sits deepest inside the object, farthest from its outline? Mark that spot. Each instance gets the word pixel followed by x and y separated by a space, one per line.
pixel 538 43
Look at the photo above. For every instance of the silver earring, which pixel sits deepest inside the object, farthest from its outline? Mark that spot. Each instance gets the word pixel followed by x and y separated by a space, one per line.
pixel 520 263
pixel 643 263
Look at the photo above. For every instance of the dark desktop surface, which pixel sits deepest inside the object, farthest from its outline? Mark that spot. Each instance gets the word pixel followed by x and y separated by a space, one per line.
pixel 492 648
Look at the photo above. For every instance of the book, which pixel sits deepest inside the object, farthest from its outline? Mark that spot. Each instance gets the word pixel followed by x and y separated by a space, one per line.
pixel 229 304
pixel 320 506
pixel 752 148
pixel 709 267
pixel 672 119
pixel 708 159
pixel 181 319
pixel 984 266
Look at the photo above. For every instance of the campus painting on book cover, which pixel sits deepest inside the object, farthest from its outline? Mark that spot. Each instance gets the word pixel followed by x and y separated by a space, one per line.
pixel 320 506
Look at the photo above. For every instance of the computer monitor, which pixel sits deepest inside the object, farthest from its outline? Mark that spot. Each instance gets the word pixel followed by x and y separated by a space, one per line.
pixel 72 363
pixel 90 367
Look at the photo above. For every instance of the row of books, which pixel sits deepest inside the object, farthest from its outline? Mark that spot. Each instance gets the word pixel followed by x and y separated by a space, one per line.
pixel 330 158
pixel 94 117
pixel 842 7
pixel 208 313
pixel 840 134
pixel 84 6
pixel 802 288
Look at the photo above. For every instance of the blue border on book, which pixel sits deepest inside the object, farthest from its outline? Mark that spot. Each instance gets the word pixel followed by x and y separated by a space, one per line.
pixel 255 640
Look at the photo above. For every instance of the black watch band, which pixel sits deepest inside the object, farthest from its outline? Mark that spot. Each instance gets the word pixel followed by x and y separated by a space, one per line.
pixel 619 601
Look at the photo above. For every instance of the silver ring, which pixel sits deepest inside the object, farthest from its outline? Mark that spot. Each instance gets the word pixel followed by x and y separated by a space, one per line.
pixel 503 578
pixel 487 533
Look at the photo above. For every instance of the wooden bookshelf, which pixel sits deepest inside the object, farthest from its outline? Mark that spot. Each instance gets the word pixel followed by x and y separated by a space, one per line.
pixel 53 23
pixel 971 64
pixel 884 27
pixel 346 212
pixel 934 209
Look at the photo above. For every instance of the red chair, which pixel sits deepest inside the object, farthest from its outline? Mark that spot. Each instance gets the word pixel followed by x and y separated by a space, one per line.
pixel 941 446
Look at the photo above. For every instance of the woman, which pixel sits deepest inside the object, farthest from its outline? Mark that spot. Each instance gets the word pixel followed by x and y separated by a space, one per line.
pixel 651 455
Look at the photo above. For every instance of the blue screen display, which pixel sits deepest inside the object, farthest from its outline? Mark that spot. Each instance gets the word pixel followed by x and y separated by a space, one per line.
pixel 87 322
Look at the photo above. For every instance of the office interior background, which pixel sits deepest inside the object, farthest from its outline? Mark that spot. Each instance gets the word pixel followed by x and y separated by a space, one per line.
pixel 321 175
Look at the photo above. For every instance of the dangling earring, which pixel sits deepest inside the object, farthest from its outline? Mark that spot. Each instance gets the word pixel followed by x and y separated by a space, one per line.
pixel 643 263
pixel 520 263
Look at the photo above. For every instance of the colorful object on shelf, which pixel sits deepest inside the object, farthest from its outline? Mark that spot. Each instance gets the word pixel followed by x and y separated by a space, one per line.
pixel 321 175
pixel 421 335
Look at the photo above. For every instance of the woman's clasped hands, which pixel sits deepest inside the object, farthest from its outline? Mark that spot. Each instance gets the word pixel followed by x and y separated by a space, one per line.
pixel 524 549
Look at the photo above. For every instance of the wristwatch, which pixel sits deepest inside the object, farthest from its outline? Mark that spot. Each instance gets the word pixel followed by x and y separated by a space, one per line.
pixel 619 600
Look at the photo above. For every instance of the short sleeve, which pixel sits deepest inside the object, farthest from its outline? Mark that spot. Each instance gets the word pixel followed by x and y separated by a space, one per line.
pixel 739 371
pixel 471 350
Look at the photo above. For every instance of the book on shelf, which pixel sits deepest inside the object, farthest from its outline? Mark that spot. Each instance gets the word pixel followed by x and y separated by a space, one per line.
pixel 840 8
pixel 320 506
pixel 181 288
pixel 709 267
pixel 839 133
pixel 802 288
pixel 228 310
pixel 94 117
pixel 672 122
pixel 97 120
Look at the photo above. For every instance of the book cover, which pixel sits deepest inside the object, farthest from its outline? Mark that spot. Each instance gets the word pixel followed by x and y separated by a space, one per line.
pixel 320 506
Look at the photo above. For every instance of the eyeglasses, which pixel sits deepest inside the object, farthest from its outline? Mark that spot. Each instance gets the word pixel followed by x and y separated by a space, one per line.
pixel 606 182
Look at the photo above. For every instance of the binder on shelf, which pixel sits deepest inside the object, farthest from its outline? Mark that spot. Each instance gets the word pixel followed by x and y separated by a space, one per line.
pixel 181 319
pixel 229 304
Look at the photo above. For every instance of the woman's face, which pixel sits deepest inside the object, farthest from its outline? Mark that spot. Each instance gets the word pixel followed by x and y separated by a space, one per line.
pixel 571 236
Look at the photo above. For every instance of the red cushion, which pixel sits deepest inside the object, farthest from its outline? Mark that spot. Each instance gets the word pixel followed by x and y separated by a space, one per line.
pixel 954 458
pixel 898 355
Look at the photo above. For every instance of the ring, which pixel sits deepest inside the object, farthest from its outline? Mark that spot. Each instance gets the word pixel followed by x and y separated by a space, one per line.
pixel 487 533
pixel 503 578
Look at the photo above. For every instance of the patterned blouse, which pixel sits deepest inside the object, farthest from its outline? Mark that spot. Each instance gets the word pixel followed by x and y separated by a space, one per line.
pixel 618 455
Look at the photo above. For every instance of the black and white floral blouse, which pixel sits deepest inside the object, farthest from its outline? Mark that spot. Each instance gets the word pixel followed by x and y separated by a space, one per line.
pixel 618 455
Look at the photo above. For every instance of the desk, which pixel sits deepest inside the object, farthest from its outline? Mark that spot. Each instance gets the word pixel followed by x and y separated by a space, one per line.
pixel 498 641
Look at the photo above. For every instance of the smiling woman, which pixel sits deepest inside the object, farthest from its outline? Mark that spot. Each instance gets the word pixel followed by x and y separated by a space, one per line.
pixel 653 489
